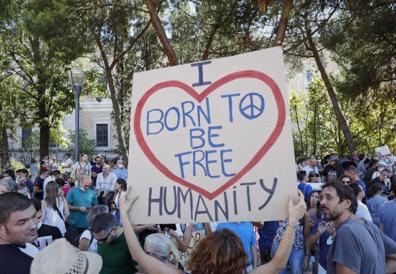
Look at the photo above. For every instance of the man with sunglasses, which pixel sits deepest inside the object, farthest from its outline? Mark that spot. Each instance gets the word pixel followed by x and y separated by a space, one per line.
pixel 112 246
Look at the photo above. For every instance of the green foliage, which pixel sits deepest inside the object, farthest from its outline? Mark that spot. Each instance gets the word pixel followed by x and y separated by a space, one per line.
pixel 86 145
pixel 57 138
pixel 317 132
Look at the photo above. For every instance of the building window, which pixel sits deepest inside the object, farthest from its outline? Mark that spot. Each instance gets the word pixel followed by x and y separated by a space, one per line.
pixel 102 135
pixel 26 132
pixel 309 76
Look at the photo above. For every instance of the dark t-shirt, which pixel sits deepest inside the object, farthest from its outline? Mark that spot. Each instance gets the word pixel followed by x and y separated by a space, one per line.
pixel 325 242
pixel 13 260
pixel 267 234
pixel 39 183
pixel 47 230
pixel 97 170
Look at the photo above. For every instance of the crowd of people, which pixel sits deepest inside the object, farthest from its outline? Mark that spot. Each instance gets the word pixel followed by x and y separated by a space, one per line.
pixel 72 217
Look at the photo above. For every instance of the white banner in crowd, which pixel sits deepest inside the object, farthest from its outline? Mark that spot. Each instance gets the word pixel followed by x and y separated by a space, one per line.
pixel 211 141
pixel 384 150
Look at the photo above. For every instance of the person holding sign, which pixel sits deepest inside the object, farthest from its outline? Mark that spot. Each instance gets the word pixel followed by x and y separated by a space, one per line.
pixel 220 252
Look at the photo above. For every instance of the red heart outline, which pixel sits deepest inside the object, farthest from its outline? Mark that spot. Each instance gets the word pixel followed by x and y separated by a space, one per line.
pixel 199 97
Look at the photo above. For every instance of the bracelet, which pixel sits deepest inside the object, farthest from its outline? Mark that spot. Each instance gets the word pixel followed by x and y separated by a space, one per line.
pixel 294 227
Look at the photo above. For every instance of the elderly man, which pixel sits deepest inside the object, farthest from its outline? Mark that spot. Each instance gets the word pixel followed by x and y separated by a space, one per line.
pixel 105 182
pixel 80 200
pixel 17 229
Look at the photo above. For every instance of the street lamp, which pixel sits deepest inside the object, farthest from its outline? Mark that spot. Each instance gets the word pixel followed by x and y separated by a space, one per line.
pixel 76 79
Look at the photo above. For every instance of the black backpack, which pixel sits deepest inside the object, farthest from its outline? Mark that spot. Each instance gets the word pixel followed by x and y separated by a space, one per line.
pixel 76 240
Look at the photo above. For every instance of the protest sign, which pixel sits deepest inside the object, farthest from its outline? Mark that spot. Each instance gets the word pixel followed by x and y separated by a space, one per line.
pixel 211 141
pixel 384 150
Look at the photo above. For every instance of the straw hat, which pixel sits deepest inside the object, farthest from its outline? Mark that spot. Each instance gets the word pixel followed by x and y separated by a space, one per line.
pixel 61 257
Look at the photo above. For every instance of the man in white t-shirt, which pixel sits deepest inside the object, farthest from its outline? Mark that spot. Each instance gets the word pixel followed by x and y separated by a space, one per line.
pixel 105 182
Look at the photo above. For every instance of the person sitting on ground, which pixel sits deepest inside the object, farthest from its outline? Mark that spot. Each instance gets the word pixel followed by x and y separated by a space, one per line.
pixel 18 229
pixel 86 241
pixel 62 257
pixel 220 252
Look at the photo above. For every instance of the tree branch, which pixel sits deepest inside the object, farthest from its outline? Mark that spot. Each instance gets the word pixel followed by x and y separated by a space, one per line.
pixel 280 35
pixel 161 33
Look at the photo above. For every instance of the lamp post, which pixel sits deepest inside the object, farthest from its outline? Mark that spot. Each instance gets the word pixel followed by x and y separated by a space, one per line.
pixel 76 79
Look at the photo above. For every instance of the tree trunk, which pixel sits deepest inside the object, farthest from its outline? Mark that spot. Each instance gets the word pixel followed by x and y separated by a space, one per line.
pixel 117 115
pixel 161 33
pixel 315 134
pixel 44 140
pixel 280 34
pixel 299 129
pixel 5 157
pixel 340 117
pixel 114 100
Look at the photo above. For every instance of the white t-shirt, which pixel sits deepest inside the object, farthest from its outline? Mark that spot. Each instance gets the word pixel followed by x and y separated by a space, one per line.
pixel 88 235
pixel 363 212
pixel 107 183
pixel 68 163
pixel 52 216
pixel 30 250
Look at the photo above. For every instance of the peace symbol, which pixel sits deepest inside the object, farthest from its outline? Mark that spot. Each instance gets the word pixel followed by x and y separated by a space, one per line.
pixel 252 105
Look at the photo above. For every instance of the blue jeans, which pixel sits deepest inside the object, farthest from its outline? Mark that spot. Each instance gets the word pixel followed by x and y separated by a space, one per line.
pixel 295 262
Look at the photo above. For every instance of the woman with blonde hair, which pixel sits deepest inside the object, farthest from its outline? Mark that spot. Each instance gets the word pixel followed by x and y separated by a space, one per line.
pixel 54 207
pixel 161 247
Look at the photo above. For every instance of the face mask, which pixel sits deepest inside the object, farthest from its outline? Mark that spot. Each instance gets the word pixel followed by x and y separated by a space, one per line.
pixel 387 181
pixel 120 166
pixel 39 224
pixel 381 168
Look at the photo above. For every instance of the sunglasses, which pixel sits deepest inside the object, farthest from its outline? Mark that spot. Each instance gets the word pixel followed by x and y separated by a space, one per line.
pixel 107 236
pixel 346 181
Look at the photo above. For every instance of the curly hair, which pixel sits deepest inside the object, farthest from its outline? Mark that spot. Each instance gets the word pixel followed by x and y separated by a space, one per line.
pixel 220 252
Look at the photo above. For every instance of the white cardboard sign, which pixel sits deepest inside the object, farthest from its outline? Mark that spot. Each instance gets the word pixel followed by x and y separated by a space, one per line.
pixel 384 150
pixel 211 141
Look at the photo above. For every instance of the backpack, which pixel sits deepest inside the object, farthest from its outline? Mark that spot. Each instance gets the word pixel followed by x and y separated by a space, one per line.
pixel 76 240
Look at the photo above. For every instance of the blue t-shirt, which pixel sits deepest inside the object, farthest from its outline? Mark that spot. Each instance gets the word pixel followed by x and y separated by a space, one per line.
pixel 79 198
pixel 245 232
pixel 373 205
pixel 360 246
pixel 121 173
pixel 387 215
pixel 305 189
